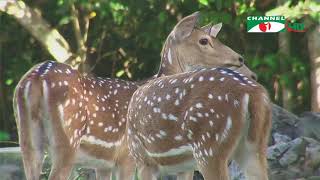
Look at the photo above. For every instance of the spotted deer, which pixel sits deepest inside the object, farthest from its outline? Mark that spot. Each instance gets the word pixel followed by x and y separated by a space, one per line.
pixel 57 109
pixel 198 119
pixel 78 117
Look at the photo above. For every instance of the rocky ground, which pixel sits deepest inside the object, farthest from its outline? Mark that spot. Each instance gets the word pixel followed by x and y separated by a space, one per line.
pixel 293 153
pixel 294 149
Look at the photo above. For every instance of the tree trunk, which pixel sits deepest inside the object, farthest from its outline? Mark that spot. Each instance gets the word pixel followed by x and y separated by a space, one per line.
pixel 314 53
pixel 49 37
pixel 284 48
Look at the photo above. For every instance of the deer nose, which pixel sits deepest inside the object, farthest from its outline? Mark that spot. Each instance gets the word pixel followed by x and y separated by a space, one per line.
pixel 241 60
pixel 254 76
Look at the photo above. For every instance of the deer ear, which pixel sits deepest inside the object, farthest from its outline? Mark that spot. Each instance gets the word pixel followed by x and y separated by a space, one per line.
pixel 207 28
pixel 215 29
pixel 185 27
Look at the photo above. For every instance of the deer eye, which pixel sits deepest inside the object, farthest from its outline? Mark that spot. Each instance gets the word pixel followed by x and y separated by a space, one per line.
pixel 203 41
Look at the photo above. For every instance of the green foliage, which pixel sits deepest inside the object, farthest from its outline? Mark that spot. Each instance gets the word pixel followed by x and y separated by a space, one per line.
pixel 4 136
pixel 9 81
pixel 285 72
pixel 204 2
pixel 296 11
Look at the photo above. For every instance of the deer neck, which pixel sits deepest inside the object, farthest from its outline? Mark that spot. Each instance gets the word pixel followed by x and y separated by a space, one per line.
pixel 170 61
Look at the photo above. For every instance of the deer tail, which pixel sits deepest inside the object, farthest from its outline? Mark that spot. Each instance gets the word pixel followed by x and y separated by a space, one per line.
pixel 261 117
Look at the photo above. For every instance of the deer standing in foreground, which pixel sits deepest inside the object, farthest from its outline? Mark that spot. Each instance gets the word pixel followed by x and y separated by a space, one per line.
pixel 199 119
pixel 57 109
pixel 77 117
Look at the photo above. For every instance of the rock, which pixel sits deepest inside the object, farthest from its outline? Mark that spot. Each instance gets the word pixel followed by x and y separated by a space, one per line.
pixel 284 122
pixel 296 159
pixel 288 158
pixel 275 151
pixel 235 172
pixel 279 138
pixel 313 154
pixel 309 125
pixel 293 152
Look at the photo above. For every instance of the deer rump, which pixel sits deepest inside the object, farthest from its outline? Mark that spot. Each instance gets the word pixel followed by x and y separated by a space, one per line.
pixel 40 114
pixel 184 120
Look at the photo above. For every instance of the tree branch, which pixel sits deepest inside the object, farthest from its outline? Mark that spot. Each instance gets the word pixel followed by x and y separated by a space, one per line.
pixel 81 39
pixel 49 37
pixel 76 27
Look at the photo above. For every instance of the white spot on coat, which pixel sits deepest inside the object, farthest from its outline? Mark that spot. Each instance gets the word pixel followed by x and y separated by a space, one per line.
pixel 169 56
pixel 172 117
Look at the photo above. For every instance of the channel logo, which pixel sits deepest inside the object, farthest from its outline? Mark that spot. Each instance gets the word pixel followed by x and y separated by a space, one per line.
pixel 266 24
pixel 272 24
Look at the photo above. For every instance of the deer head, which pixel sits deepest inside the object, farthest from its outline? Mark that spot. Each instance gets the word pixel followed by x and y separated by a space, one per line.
pixel 188 47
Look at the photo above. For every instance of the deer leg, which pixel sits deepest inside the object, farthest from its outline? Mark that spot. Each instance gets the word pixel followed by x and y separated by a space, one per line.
pixel 103 174
pixel 147 173
pixel 257 167
pixel 31 135
pixel 257 141
pixel 61 149
pixel 32 153
pixel 252 159
pixel 185 176
pixel 215 168
pixel 126 170
pixel 28 164
pixel 63 155
pixel 253 162
pixel 38 141
pixel 62 161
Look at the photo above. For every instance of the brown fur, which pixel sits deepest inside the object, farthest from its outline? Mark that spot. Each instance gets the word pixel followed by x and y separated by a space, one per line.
pixel 49 130
pixel 150 111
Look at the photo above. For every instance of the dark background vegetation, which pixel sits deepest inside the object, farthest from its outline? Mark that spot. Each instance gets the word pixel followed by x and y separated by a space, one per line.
pixel 125 39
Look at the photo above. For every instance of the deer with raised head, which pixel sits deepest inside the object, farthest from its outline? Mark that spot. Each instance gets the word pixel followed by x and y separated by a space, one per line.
pixel 200 119
pixel 78 117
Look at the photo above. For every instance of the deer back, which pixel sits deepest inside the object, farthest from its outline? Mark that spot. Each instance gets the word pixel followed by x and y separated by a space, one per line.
pixel 108 100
